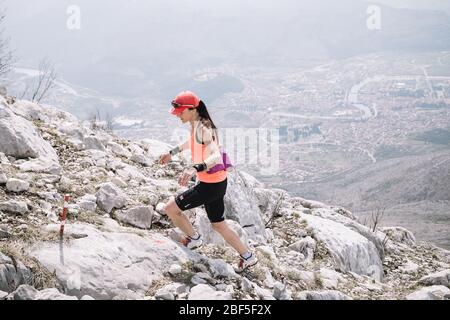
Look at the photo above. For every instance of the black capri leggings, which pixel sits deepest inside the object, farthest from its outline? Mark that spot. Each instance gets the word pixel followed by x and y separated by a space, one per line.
pixel 208 194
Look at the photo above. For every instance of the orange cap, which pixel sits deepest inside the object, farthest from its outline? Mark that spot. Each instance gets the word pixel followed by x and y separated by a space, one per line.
pixel 184 100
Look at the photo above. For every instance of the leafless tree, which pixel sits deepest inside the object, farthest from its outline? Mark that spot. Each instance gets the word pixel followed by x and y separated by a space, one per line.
pixel 45 81
pixel 109 123
pixel 94 120
pixel 375 219
pixel 25 91
pixel 6 56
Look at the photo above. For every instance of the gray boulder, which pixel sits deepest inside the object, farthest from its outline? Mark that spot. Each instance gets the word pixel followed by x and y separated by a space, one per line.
pixel 110 197
pixel 3 178
pixel 206 292
pixel 350 250
pixel 140 217
pixel 108 262
pixel 306 246
pixel 399 235
pixel 53 294
pixel 41 165
pixel 429 293
pixel 439 278
pixel 241 205
pixel 20 139
pixel 14 206
pixel 12 274
pixel 323 295
pixel 281 292
pixel 25 292
pixel 93 142
pixel 17 185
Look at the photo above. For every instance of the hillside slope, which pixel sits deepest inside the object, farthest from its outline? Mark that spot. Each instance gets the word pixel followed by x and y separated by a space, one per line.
pixel 118 243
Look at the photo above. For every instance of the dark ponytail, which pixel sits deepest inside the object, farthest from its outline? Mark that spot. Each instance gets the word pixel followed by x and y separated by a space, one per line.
pixel 205 117
pixel 204 114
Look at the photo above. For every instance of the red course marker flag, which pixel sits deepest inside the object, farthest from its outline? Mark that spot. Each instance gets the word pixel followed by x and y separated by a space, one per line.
pixel 64 213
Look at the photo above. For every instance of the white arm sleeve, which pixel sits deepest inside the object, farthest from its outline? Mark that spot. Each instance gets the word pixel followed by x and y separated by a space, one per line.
pixel 214 157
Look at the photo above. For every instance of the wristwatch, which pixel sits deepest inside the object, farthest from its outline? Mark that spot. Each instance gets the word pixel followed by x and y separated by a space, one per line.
pixel 200 167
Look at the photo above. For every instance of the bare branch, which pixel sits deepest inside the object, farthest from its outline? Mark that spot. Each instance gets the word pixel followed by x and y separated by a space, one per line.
pixel 46 80
pixel 109 123
pixel 6 56
pixel 49 83
pixel 25 91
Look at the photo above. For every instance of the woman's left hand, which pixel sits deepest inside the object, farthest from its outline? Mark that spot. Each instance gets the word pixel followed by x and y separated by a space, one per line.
pixel 186 176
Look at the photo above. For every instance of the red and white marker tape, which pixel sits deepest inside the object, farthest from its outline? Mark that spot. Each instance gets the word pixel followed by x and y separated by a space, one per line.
pixel 64 213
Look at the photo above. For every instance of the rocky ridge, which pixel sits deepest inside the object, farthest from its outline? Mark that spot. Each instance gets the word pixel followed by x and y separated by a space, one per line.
pixel 118 243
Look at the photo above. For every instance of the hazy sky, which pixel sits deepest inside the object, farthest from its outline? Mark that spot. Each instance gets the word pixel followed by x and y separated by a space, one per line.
pixel 142 39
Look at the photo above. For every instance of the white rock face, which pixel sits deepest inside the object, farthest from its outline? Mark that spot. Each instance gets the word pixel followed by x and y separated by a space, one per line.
pixel 17 185
pixel 160 208
pixel 3 178
pixel 3 295
pixel 128 295
pixel 310 204
pixel 106 263
pixel 164 294
pixel 429 293
pixel 307 277
pixel 140 217
pixel 340 216
pixel 53 294
pixel 88 203
pixel 324 247
pixel 330 278
pixel 119 150
pixel 109 196
pixel 268 200
pixel 25 292
pixel 350 250
pixel 12 274
pixel 399 234
pixel 13 206
pixel 141 159
pixel 241 205
pixel 171 291
pixel 323 295
pixel 209 235
pixel 93 142
pixel 263 294
pixel 30 111
pixel 268 253
pixel 306 246
pixel 119 182
pixel 409 267
pixel 175 269
pixel 219 268
pixel 20 138
pixel 155 148
pixel 206 292
pixel 41 165
pixel 439 278
pixel 131 174
pixel 281 292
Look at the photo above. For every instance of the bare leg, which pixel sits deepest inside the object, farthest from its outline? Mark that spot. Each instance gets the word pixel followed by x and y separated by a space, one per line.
pixel 230 236
pixel 179 219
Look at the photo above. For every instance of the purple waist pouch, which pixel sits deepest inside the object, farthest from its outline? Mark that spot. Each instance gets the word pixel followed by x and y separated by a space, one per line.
pixel 221 166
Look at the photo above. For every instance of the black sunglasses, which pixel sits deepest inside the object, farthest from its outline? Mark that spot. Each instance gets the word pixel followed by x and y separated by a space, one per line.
pixel 178 105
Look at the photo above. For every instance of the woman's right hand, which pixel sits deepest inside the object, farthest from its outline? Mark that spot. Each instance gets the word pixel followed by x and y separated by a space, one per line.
pixel 165 158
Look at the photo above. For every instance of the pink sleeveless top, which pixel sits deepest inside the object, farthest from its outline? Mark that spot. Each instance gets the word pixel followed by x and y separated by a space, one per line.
pixel 199 153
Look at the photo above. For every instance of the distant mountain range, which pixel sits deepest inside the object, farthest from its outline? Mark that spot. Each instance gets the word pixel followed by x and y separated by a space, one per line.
pixel 132 48
pixel 411 183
